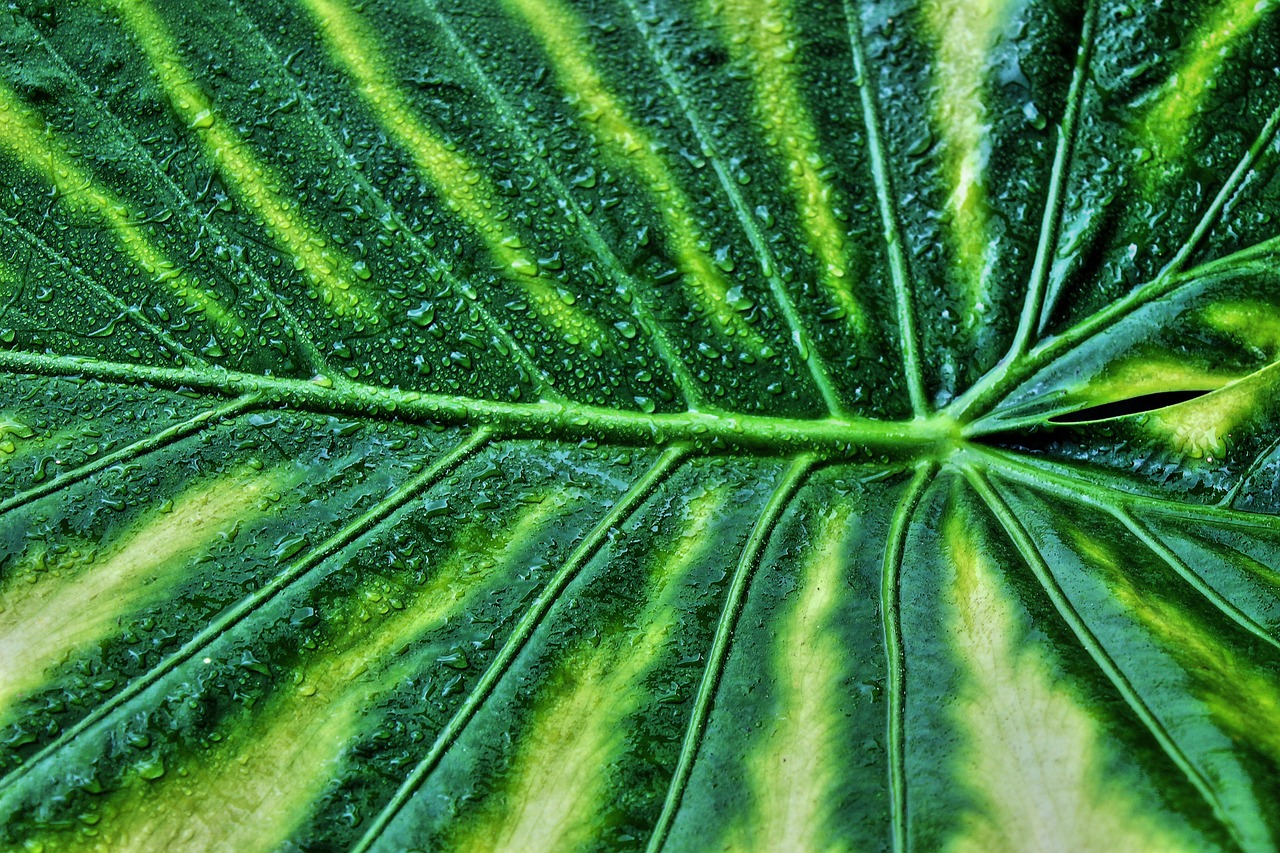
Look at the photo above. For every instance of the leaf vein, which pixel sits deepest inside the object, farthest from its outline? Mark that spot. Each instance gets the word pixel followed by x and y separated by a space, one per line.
pixel 903 290
pixel 786 489
pixel 1027 548
pixel 661 469
pixel 819 370
pixel 137 450
pixel 891 625
pixel 353 531
pixel 637 296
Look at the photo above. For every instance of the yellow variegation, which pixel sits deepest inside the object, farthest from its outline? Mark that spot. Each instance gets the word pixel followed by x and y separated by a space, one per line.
pixel 647 425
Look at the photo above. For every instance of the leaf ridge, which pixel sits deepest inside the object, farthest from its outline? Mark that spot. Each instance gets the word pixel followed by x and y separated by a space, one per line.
pixel 1253 467
pixel 1226 263
pixel 351 532
pixel 520 352
pixel 1116 504
pixel 140 154
pixel 1033 317
pixel 1228 189
pixel 180 350
pixel 1157 546
pixel 315 360
pixel 1050 477
pixel 792 479
pixel 662 468
pixel 708 431
pixel 903 289
pixel 996 384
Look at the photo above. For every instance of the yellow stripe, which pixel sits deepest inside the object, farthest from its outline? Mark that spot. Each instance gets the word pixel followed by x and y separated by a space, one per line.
pixel 327 269
pixel 252 790
pixel 556 792
pixel 24 134
pixel 795 769
pixel 761 36
pixel 58 605
pixel 1167 122
pixel 1257 324
pixel 560 32
pixel 1036 763
pixel 465 188
pixel 964 32
pixel 1144 374
pixel 1242 695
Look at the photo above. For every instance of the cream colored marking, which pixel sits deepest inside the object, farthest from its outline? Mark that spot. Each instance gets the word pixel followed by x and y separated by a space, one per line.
pixel 253 790
pixel 47 616
pixel 1035 762
pixel 1202 427
pixel 762 37
pixel 1168 121
pixel 794 769
pixel 560 32
pixel 965 31
pixel 466 189
pixel 328 270
pixel 24 134
pixel 1243 696
pixel 557 787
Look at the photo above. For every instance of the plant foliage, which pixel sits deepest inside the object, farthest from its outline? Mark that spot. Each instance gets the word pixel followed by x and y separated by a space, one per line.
pixel 639 424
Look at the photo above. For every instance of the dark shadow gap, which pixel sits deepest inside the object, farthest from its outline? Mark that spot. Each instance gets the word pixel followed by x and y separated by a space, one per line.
pixel 1130 406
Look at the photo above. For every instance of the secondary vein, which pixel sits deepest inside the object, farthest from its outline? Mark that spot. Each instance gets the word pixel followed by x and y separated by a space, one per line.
pixel 360 526
pixel 665 465
pixel 790 483
pixel 904 298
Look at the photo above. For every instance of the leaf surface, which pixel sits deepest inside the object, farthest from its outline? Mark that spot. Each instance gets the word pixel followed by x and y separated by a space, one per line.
pixel 629 424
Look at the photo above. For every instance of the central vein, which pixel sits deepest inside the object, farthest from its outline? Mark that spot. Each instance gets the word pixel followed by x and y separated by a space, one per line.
pixel 849 438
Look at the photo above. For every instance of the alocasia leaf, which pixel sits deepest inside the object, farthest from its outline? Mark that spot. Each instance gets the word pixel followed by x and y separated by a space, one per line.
pixel 639 424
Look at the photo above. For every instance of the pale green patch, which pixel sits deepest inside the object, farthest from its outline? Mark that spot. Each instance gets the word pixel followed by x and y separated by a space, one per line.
pixel 762 35
pixel 1035 762
pixel 555 793
pixel 1256 324
pixel 794 767
pixel 964 31
pixel 1147 374
pixel 327 268
pixel 52 608
pixel 561 33
pixel 12 432
pixel 1202 428
pixel 251 791
pixel 465 189
pixel 23 135
pixel 1167 122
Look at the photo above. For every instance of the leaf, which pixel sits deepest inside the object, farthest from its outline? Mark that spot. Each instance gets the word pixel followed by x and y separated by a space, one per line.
pixel 628 424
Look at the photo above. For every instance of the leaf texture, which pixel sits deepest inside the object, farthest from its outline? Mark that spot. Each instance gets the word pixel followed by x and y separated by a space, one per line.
pixel 636 424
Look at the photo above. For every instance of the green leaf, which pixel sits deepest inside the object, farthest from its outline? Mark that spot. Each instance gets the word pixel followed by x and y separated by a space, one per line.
pixel 631 424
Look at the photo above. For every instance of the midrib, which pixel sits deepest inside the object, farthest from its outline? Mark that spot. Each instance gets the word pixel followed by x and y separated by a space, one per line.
pixel 853 438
